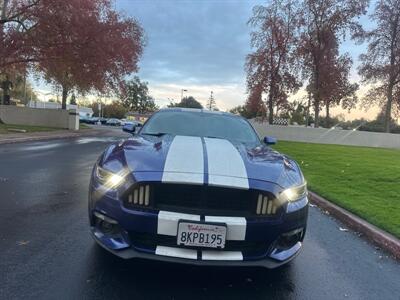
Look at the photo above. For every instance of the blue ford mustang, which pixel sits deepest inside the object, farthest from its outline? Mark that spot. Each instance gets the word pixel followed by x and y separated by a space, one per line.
pixel 199 187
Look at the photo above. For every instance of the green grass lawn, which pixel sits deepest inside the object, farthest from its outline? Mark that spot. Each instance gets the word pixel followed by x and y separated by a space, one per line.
pixel 4 128
pixel 84 126
pixel 365 181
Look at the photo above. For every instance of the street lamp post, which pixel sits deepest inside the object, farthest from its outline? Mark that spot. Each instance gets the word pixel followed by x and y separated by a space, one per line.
pixel 182 90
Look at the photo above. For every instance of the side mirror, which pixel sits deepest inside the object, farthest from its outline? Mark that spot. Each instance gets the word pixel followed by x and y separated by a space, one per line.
pixel 269 140
pixel 130 128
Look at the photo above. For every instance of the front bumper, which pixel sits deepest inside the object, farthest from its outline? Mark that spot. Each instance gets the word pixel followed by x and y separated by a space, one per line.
pixel 145 235
pixel 131 253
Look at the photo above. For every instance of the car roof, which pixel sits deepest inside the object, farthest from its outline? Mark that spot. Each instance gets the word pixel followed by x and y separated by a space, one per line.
pixel 197 110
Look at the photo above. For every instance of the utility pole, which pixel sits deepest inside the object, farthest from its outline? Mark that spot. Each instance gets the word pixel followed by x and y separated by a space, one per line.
pixel 211 102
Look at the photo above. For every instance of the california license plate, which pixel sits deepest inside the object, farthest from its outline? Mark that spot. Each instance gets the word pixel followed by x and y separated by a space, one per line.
pixel 201 235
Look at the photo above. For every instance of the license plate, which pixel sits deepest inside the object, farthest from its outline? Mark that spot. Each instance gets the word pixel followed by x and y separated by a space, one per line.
pixel 201 235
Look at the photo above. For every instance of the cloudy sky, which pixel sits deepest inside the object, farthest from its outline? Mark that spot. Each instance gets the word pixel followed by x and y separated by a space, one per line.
pixel 195 45
pixel 200 46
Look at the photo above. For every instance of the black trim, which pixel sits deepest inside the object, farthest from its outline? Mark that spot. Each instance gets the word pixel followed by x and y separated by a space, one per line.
pixel 130 253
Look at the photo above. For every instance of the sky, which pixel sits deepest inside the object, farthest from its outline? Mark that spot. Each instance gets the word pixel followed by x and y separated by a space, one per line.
pixel 201 45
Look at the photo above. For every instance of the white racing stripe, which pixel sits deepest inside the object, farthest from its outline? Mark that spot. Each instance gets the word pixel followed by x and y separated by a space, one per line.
pixel 185 161
pixel 236 230
pixel 167 223
pixel 225 164
pixel 176 252
pixel 221 255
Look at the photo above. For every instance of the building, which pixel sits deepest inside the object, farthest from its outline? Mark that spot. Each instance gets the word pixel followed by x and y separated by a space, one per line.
pixel 138 116
pixel 83 111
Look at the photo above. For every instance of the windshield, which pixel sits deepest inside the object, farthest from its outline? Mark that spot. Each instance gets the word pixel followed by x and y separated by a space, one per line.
pixel 202 124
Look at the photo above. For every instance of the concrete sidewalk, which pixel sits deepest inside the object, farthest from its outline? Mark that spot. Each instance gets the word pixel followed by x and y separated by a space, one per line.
pixel 46 135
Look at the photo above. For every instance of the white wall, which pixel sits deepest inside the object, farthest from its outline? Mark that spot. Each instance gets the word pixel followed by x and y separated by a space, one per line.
pixel 328 136
pixel 57 118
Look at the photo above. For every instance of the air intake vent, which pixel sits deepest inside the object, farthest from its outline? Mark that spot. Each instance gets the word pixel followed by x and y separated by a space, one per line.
pixel 265 206
pixel 140 195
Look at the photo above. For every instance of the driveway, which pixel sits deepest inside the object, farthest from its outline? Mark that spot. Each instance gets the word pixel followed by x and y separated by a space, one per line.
pixel 46 251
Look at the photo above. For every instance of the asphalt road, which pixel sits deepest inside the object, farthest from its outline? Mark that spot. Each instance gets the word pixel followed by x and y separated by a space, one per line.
pixel 46 251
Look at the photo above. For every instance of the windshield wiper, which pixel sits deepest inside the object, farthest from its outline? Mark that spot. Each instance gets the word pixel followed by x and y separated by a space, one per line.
pixel 155 133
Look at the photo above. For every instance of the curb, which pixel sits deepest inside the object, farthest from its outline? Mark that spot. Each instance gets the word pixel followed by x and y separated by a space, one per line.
pixel 379 237
pixel 47 137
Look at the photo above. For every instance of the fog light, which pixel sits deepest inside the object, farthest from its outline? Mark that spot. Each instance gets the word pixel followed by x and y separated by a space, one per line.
pixel 105 224
pixel 107 227
pixel 289 239
pixel 104 218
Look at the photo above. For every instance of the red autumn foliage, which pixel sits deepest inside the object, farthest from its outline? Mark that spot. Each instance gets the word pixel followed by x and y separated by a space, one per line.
pixel 254 104
pixel 324 23
pixel 81 45
pixel 89 45
pixel 16 48
pixel 272 66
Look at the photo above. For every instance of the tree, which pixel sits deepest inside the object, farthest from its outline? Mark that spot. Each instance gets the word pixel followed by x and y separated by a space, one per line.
pixel 211 105
pixel 272 65
pixel 296 112
pixel 323 21
pixel 134 95
pixel 254 105
pixel 16 23
pixel 380 65
pixel 188 102
pixel 90 46
pixel 337 88
pixel 379 124
pixel 115 110
pixel 72 100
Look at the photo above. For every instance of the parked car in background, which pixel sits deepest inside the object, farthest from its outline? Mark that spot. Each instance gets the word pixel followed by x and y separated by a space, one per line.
pixel 92 120
pixel 131 122
pixel 103 121
pixel 114 122
pixel 83 119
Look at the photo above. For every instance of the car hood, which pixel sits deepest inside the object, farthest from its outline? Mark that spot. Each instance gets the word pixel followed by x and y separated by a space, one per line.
pixel 194 160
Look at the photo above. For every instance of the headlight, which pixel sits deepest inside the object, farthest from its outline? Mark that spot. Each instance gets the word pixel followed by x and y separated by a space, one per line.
pixel 294 193
pixel 108 179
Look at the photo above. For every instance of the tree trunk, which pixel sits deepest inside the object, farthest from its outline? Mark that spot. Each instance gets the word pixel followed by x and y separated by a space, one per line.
pixel 270 108
pixel 308 109
pixel 327 115
pixel 316 108
pixel 388 115
pixel 64 98
pixel 4 10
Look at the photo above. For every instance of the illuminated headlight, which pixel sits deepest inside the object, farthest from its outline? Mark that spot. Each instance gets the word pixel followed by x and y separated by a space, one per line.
pixel 108 179
pixel 294 193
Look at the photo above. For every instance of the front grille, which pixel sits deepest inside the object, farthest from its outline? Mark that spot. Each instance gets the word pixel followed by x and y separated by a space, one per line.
pixel 209 199
pixel 151 241
pixel 201 199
